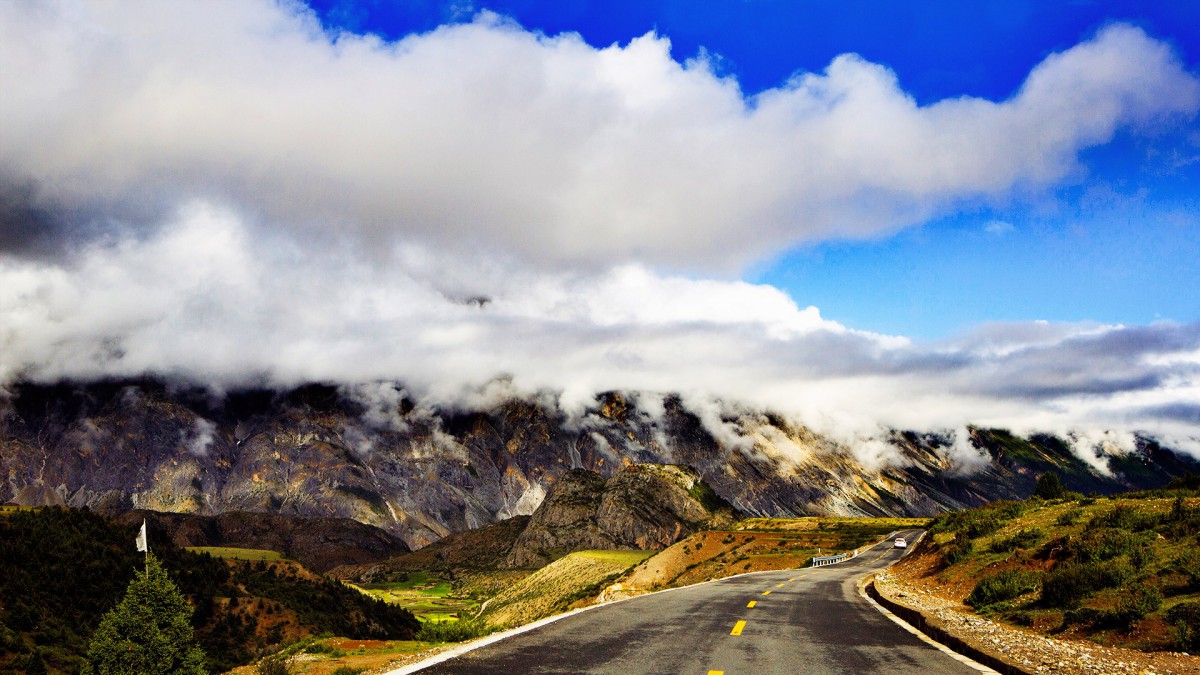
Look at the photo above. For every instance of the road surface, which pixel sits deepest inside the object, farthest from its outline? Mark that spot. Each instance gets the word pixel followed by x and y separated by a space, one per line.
pixel 794 621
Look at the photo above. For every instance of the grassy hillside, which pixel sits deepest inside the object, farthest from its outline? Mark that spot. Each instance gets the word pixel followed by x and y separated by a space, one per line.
pixel 232 553
pixel 573 580
pixel 62 569
pixel 1121 571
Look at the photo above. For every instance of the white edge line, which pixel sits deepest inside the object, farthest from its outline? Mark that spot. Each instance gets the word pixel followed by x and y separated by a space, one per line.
pixel 965 660
pixel 513 632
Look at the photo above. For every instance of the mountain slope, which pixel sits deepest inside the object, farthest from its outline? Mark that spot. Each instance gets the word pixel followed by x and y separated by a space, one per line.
pixel 370 454
pixel 317 543
pixel 643 507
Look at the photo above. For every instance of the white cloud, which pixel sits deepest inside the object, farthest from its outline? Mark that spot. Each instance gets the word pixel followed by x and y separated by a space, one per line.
pixel 251 312
pixel 481 211
pixel 485 136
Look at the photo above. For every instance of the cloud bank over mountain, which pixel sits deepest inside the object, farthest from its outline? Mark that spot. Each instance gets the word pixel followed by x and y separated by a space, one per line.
pixel 238 197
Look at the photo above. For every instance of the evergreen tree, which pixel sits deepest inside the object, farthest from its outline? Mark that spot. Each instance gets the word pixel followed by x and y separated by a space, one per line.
pixel 1049 486
pixel 149 632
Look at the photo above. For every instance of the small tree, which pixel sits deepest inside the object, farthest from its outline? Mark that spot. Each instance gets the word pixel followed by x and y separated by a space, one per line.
pixel 149 632
pixel 1049 486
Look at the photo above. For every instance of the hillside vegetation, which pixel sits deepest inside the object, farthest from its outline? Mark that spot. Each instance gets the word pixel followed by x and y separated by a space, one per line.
pixel 62 569
pixel 571 581
pixel 1121 571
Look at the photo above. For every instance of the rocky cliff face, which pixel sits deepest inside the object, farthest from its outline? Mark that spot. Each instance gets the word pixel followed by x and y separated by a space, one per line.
pixel 375 456
pixel 643 507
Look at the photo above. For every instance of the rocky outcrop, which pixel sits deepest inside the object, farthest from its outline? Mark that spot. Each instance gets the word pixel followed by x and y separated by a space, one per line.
pixel 644 507
pixel 317 543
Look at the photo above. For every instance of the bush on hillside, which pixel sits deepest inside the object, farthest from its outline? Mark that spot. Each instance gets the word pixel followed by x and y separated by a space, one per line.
pixel 1188 565
pixel 1069 584
pixel 1004 585
pixel 1185 621
pixel 1026 538
pixel 1136 603
pixel 1125 517
pixel 958 549
pixel 1070 517
pixel 1097 545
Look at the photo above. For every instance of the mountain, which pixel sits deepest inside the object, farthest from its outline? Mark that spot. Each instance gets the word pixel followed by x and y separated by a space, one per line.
pixel 644 507
pixel 422 471
pixel 317 543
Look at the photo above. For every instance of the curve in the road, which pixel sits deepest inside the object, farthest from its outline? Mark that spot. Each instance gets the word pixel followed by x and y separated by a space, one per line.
pixel 793 621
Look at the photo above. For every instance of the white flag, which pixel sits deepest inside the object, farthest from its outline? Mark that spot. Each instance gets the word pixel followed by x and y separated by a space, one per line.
pixel 141 538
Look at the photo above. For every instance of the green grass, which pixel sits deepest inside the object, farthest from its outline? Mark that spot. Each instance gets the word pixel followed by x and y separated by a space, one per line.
pixel 629 558
pixel 232 553
pixel 430 597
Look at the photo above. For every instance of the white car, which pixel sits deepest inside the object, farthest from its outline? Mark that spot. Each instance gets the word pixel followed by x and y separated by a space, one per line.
pixel 900 543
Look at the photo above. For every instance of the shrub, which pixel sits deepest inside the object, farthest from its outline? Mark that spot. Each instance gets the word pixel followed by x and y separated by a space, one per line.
pixel 1182 520
pixel 1136 603
pixel 1125 517
pixel 273 665
pixel 958 549
pixel 1001 586
pixel 1070 517
pixel 1023 539
pixel 1188 564
pixel 451 631
pixel 1069 584
pixel 1096 545
pixel 1185 619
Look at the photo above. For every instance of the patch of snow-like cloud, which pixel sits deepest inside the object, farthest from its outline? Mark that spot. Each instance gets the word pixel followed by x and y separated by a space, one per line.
pixel 244 312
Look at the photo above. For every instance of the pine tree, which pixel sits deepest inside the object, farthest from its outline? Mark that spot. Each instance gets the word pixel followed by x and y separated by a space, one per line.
pixel 149 632
pixel 1049 486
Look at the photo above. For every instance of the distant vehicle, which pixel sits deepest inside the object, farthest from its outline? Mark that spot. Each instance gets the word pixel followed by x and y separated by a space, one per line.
pixel 900 543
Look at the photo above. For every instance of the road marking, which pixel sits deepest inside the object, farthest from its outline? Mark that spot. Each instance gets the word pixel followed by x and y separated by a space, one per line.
pixel 766 592
pixel 752 603
pixel 792 579
pixel 780 585
pixel 737 628
pixel 716 672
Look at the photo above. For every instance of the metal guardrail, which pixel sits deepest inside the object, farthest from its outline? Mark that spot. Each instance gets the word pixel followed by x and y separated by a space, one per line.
pixel 822 560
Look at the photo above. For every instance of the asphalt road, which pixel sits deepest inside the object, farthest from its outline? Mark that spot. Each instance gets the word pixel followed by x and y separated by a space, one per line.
pixel 794 621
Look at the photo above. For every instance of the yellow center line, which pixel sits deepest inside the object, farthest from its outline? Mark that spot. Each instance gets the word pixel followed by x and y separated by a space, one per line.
pixel 779 585
pixel 792 579
pixel 737 628
pixel 766 592
pixel 752 603
pixel 716 672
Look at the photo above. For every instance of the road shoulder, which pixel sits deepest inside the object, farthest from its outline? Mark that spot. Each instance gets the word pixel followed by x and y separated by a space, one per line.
pixel 1009 649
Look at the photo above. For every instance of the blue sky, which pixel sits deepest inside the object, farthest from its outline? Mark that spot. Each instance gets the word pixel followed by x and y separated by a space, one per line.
pixel 1116 241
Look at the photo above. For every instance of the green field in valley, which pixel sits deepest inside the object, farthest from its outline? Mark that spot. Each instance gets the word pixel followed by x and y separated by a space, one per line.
pixel 426 595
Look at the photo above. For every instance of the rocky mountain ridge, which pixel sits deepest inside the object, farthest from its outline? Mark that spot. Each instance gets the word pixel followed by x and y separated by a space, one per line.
pixel 373 454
